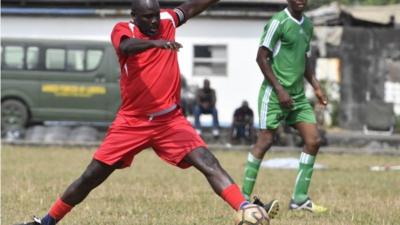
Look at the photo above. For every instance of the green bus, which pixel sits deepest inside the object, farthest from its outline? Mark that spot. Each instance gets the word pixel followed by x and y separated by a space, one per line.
pixel 57 80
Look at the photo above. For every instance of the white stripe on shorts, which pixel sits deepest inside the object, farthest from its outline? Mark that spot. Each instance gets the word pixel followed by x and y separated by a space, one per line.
pixel 264 108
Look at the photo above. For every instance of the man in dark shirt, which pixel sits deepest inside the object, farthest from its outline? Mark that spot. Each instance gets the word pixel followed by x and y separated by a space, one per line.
pixel 242 125
pixel 205 104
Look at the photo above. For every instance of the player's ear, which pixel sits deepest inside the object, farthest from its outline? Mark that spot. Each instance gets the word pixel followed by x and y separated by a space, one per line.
pixel 132 12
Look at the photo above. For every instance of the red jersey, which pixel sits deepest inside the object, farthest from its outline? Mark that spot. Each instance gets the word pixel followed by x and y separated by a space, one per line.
pixel 150 80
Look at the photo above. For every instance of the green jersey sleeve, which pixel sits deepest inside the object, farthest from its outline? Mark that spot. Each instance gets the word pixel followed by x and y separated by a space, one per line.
pixel 272 33
pixel 308 50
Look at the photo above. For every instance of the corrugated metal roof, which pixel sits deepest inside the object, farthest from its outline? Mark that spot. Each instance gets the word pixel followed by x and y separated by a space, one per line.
pixel 376 14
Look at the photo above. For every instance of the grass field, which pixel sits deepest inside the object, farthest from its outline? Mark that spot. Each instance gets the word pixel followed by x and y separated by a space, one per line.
pixel 153 192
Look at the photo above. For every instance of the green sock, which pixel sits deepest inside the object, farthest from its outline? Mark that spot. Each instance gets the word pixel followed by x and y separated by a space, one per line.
pixel 250 175
pixel 303 179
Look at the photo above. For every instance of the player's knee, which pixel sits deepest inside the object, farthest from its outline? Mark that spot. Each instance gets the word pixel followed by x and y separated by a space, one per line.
pixel 265 141
pixel 213 167
pixel 313 144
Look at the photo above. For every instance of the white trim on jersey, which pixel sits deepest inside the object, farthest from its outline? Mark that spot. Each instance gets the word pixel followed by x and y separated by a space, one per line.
pixel 270 33
pixel 126 69
pixel 166 15
pixel 291 17
pixel 264 107
pixel 132 26
pixel 277 48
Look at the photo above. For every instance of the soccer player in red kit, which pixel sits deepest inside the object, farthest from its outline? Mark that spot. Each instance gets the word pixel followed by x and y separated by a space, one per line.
pixel 149 115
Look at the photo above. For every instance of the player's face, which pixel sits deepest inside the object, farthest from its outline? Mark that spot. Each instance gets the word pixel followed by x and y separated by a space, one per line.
pixel 148 20
pixel 297 5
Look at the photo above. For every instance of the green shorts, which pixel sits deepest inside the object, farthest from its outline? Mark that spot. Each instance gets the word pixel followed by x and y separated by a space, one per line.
pixel 271 113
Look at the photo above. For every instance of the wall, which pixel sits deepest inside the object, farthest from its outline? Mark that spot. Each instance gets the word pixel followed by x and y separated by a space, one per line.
pixel 365 54
pixel 240 36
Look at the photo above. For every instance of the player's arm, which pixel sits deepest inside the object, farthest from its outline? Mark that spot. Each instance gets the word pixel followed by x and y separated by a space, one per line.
pixel 264 56
pixel 131 46
pixel 192 8
pixel 312 79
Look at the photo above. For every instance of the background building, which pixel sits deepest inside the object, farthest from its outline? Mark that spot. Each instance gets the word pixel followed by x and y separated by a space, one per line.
pixel 356 48
pixel 220 45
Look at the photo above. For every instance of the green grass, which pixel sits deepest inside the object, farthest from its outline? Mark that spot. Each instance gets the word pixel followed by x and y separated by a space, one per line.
pixel 153 192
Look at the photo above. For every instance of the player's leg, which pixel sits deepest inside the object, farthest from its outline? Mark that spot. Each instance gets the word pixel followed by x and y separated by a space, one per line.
pixel 270 115
pixel 121 143
pixel 303 119
pixel 309 133
pixel 263 144
pixel 94 175
pixel 176 142
pixel 254 158
pixel 220 181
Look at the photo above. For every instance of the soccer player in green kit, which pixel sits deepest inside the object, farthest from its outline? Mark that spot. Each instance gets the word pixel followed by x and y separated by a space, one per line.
pixel 283 60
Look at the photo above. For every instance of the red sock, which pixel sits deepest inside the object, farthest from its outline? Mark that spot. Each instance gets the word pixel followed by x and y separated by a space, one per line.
pixel 59 209
pixel 233 196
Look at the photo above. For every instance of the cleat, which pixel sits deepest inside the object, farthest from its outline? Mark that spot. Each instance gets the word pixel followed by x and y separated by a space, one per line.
pixel 272 207
pixel 307 205
pixel 36 221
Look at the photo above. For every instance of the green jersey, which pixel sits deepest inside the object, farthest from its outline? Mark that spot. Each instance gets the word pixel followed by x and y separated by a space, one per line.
pixel 289 40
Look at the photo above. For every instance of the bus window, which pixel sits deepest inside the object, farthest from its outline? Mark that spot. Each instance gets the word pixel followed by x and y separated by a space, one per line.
pixel 32 58
pixel 93 59
pixel 75 60
pixel 55 59
pixel 14 57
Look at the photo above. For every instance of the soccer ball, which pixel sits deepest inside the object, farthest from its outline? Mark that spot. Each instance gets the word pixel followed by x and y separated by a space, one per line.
pixel 252 214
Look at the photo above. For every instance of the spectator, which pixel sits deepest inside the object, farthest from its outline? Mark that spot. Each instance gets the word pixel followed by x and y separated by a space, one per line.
pixel 188 97
pixel 205 104
pixel 242 125
pixel 184 100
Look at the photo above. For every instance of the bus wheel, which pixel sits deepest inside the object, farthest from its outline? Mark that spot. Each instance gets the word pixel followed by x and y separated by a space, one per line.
pixel 14 114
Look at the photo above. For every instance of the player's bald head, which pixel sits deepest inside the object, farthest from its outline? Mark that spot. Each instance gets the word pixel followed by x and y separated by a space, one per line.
pixel 146 15
pixel 144 5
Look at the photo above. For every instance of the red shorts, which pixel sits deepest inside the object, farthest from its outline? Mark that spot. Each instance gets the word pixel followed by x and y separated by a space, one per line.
pixel 170 135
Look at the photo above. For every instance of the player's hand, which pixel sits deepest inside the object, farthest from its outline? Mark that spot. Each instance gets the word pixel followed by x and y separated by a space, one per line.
pixel 164 44
pixel 322 99
pixel 284 99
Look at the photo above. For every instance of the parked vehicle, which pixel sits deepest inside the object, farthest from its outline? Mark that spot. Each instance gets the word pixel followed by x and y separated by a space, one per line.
pixel 61 80
pixel 57 80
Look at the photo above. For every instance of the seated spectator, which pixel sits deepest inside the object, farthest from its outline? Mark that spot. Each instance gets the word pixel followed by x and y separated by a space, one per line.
pixel 188 97
pixel 242 125
pixel 205 104
pixel 184 101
